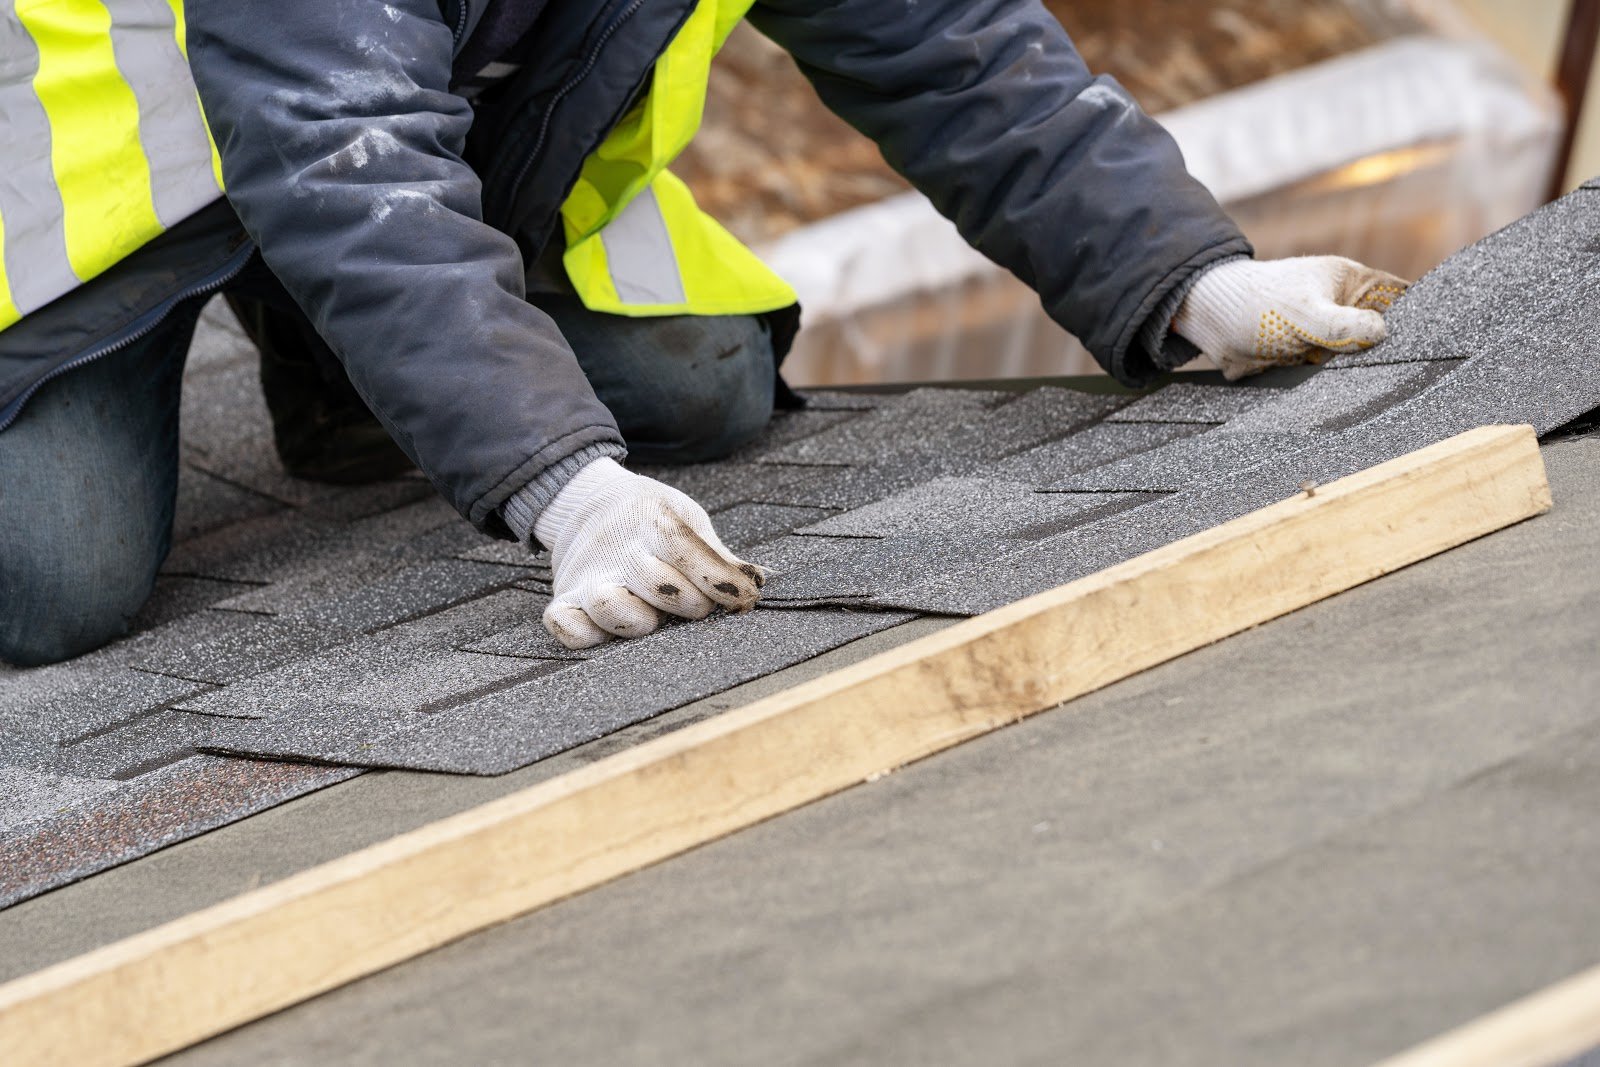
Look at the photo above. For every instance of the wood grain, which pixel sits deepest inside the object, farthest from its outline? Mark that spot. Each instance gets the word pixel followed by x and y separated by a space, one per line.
pixel 208 972
pixel 1552 1027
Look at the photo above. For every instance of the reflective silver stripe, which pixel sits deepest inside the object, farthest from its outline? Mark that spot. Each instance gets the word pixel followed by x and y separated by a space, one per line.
pixel 37 267
pixel 172 129
pixel 644 267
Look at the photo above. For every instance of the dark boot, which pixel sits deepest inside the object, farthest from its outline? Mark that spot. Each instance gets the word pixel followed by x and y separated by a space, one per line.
pixel 323 430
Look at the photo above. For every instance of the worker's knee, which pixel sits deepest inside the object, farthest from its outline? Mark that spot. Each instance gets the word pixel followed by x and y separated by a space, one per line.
pixel 708 414
pixel 53 608
pixel 88 481
pixel 695 389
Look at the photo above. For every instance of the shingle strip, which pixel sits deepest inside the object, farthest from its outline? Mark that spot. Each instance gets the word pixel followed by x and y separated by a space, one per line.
pixel 170 804
pixel 400 669
pixel 550 714
pixel 1187 403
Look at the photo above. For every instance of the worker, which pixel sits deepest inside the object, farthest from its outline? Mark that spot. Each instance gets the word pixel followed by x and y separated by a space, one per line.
pixel 449 227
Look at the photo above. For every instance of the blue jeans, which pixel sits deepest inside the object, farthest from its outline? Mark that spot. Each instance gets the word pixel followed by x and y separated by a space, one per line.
pixel 89 471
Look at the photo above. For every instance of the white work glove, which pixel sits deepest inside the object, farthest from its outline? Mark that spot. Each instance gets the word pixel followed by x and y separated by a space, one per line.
pixel 624 548
pixel 1247 316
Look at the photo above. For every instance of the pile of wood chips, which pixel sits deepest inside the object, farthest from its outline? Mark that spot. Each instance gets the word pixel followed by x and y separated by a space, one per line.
pixel 771 158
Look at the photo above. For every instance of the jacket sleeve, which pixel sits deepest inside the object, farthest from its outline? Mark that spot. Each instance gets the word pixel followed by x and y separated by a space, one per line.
pixel 341 150
pixel 986 107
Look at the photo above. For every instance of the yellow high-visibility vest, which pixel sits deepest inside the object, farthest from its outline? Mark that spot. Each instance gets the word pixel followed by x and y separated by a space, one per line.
pixel 105 146
pixel 637 244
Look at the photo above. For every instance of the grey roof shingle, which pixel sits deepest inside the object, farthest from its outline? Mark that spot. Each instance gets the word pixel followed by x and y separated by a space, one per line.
pixel 1096 446
pixel 743 526
pixel 372 626
pixel 220 647
pixel 406 667
pixel 1193 403
pixel 552 712
pixel 68 700
pixel 145 813
pixel 1177 466
pixel 918 419
pixel 1339 398
pixel 31 796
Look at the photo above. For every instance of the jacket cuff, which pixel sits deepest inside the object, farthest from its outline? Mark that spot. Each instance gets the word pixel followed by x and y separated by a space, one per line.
pixel 522 509
pixel 1167 350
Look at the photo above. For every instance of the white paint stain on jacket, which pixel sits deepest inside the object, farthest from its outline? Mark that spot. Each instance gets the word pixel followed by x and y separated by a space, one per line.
pixel 421 196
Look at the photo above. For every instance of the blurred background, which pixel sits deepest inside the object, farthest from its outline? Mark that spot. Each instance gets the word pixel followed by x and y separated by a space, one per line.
pixel 1391 131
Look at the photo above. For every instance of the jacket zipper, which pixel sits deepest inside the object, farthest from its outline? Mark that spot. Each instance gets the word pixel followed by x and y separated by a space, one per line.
pixel 567 87
pixel 461 25
pixel 151 320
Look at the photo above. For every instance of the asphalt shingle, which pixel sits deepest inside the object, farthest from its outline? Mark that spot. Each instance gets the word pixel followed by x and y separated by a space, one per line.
pixel 220 647
pixel 1096 446
pixel 525 722
pixel 408 667
pixel 918 419
pixel 145 813
pixel 1516 286
pixel 206 502
pixel 718 486
pixel 1339 398
pixel 68 700
pixel 31 796
pixel 965 509
pixel 745 525
pixel 1184 463
pixel 137 747
pixel 1185 403
pixel 374 626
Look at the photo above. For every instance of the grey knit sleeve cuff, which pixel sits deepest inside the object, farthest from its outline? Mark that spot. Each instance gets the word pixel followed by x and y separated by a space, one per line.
pixel 525 505
pixel 1165 348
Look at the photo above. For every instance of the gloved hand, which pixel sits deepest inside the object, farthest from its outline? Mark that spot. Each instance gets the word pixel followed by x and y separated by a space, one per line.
pixel 625 548
pixel 1247 316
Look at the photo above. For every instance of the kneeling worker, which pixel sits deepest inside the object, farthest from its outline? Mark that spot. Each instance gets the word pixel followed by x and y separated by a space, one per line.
pixel 456 215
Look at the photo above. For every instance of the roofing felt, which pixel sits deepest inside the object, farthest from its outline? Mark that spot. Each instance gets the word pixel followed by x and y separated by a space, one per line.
pixel 372 627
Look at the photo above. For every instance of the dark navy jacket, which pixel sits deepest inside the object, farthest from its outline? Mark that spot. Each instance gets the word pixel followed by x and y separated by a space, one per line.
pixel 400 220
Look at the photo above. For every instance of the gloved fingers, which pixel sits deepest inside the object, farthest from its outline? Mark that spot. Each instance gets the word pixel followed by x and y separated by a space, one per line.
pixel 1364 287
pixel 1344 329
pixel 1235 368
pixel 756 573
pixel 698 521
pixel 665 588
pixel 569 624
pixel 720 575
pixel 617 611
pixel 1380 293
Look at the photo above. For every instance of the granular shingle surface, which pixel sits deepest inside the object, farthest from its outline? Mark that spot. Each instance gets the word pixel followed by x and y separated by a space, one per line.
pixel 919 420
pixel 1340 398
pixel 1177 466
pixel 370 626
pixel 966 509
pixel 745 525
pixel 1096 446
pixel 67 700
pixel 528 640
pixel 1193 403
pixel 31 796
pixel 145 813
pixel 625 683
pixel 224 646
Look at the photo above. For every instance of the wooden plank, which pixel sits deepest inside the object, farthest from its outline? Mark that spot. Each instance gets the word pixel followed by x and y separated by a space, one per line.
pixel 177 984
pixel 1547 1029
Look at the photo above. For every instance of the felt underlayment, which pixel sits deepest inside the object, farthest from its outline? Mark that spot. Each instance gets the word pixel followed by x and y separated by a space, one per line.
pixel 301 632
